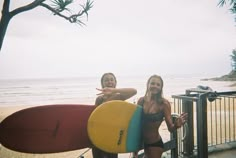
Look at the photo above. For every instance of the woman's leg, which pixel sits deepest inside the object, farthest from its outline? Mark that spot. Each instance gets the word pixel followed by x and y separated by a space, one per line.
pixel 97 153
pixel 153 152
pixel 110 155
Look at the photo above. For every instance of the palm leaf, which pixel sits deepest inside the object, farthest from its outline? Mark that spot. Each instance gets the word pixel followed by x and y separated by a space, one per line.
pixel 221 3
pixel 60 5
pixel 232 2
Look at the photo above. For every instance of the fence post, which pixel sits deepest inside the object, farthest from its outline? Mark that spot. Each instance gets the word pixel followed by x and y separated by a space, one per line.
pixel 202 138
pixel 174 136
pixel 188 143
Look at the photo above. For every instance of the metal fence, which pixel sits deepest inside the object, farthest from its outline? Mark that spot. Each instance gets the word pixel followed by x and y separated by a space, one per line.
pixel 211 121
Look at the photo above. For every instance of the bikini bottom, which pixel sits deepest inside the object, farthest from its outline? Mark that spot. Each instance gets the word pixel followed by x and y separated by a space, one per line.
pixel 159 144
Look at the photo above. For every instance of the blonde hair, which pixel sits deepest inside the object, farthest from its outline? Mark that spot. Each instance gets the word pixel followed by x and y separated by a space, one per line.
pixel 159 96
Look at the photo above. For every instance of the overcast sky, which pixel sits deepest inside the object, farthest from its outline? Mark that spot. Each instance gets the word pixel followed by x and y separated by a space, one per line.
pixel 127 37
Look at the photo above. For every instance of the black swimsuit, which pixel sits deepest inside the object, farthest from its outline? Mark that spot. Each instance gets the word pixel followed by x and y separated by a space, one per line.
pixel 159 116
pixel 153 117
pixel 158 143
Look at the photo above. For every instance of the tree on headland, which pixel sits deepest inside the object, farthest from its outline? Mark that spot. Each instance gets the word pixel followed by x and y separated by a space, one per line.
pixel 230 76
pixel 57 7
pixel 232 6
pixel 233 59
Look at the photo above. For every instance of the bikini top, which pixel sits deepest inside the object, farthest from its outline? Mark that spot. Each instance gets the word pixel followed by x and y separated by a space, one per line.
pixel 159 116
pixel 154 117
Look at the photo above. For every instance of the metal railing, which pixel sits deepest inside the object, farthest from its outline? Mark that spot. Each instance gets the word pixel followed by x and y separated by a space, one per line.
pixel 211 121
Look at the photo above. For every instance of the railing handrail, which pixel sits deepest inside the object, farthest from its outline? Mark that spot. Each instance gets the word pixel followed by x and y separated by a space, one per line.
pixel 197 98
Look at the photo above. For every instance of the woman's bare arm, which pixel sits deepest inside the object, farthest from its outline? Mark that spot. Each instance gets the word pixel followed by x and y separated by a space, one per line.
pixel 178 121
pixel 118 93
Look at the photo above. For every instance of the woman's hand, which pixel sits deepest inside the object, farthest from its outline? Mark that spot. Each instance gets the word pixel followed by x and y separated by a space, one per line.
pixel 147 97
pixel 116 93
pixel 106 91
pixel 180 121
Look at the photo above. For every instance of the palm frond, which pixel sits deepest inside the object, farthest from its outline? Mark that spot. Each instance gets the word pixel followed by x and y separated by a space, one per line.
pixel 89 4
pixel 80 22
pixel 233 10
pixel 61 5
pixel 86 7
pixel 232 2
pixel 221 3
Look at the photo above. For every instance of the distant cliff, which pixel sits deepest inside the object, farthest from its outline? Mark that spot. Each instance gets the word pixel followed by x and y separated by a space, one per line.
pixel 229 77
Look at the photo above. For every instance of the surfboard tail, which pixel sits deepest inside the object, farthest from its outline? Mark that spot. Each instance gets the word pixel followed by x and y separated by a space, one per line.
pixel 134 140
pixel 115 127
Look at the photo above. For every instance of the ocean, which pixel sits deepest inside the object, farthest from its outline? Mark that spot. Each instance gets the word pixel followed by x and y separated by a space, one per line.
pixel 82 90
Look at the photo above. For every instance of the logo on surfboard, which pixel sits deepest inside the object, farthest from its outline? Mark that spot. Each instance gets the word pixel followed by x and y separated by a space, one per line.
pixel 120 137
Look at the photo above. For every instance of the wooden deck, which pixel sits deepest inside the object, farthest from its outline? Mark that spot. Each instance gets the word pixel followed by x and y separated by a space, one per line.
pixel 223 154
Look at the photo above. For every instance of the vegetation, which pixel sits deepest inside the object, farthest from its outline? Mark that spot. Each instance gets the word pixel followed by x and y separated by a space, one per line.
pixel 232 6
pixel 57 7
pixel 230 76
pixel 233 58
pixel 60 8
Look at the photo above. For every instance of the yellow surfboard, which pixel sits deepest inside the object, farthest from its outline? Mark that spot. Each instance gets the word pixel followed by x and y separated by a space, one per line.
pixel 115 127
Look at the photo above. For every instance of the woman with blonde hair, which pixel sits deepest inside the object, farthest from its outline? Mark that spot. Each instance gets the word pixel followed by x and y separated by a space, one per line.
pixel 155 109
